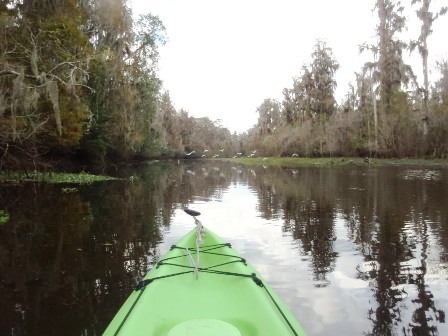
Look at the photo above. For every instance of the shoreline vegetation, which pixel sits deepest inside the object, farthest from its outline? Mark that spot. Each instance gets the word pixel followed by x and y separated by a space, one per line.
pixel 87 178
pixel 339 161
pixel 53 177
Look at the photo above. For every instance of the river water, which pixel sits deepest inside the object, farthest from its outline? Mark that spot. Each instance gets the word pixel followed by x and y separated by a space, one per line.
pixel 352 250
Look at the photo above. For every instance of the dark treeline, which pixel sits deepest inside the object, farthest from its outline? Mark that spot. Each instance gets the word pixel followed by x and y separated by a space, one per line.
pixel 78 80
pixel 75 77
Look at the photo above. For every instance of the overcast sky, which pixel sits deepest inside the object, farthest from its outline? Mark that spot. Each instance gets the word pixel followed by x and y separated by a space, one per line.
pixel 224 57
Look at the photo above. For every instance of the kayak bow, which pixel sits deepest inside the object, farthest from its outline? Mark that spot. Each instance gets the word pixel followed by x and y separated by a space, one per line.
pixel 203 290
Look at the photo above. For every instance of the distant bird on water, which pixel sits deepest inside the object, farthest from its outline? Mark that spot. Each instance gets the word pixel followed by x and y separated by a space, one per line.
pixel 188 154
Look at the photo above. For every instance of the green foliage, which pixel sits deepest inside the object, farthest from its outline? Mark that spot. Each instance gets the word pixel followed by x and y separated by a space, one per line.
pixel 124 102
pixel 75 120
pixel 323 69
pixel 44 63
pixel 4 217
pixel 97 140
pixel 79 75
pixel 312 94
pixel 398 132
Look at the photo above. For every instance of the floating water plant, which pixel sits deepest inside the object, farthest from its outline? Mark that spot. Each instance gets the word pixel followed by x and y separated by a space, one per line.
pixel 4 217
pixel 81 178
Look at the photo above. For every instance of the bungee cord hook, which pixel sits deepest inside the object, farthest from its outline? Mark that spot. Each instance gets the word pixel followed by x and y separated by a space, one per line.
pixel 199 240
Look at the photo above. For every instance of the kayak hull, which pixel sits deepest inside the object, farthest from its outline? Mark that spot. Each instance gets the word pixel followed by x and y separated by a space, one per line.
pixel 224 296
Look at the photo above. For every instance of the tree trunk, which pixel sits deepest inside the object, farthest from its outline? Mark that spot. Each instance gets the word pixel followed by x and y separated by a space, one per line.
pixel 375 114
pixel 424 53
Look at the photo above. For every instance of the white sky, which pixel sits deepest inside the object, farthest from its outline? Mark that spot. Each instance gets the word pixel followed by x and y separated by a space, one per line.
pixel 224 57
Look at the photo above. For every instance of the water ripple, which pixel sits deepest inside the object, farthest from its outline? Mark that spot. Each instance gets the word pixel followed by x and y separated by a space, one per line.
pixel 421 174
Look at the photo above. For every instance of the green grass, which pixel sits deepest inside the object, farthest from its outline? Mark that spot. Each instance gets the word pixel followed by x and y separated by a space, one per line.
pixel 299 161
pixel 81 178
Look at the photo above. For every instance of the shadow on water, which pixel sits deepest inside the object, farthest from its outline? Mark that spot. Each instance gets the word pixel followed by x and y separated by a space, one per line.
pixel 70 257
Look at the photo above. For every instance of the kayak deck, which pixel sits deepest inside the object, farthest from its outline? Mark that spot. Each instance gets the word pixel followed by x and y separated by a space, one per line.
pixel 226 297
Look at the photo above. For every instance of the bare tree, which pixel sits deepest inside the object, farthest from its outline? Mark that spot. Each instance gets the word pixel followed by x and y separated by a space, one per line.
pixel 388 68
pixel 268 116
pixel 427 17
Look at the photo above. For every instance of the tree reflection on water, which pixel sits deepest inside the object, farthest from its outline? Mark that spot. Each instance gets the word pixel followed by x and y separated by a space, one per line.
pixel 68 260
pixel 393 221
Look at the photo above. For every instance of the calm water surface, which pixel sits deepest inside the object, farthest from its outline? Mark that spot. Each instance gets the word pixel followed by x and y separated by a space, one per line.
pixel 352 250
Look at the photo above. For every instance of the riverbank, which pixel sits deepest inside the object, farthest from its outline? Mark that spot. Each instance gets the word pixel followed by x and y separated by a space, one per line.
pixel 299 161
pixel 86 178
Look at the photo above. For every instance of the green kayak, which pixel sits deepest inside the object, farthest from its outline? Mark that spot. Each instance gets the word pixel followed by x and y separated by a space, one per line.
pixel 203 287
